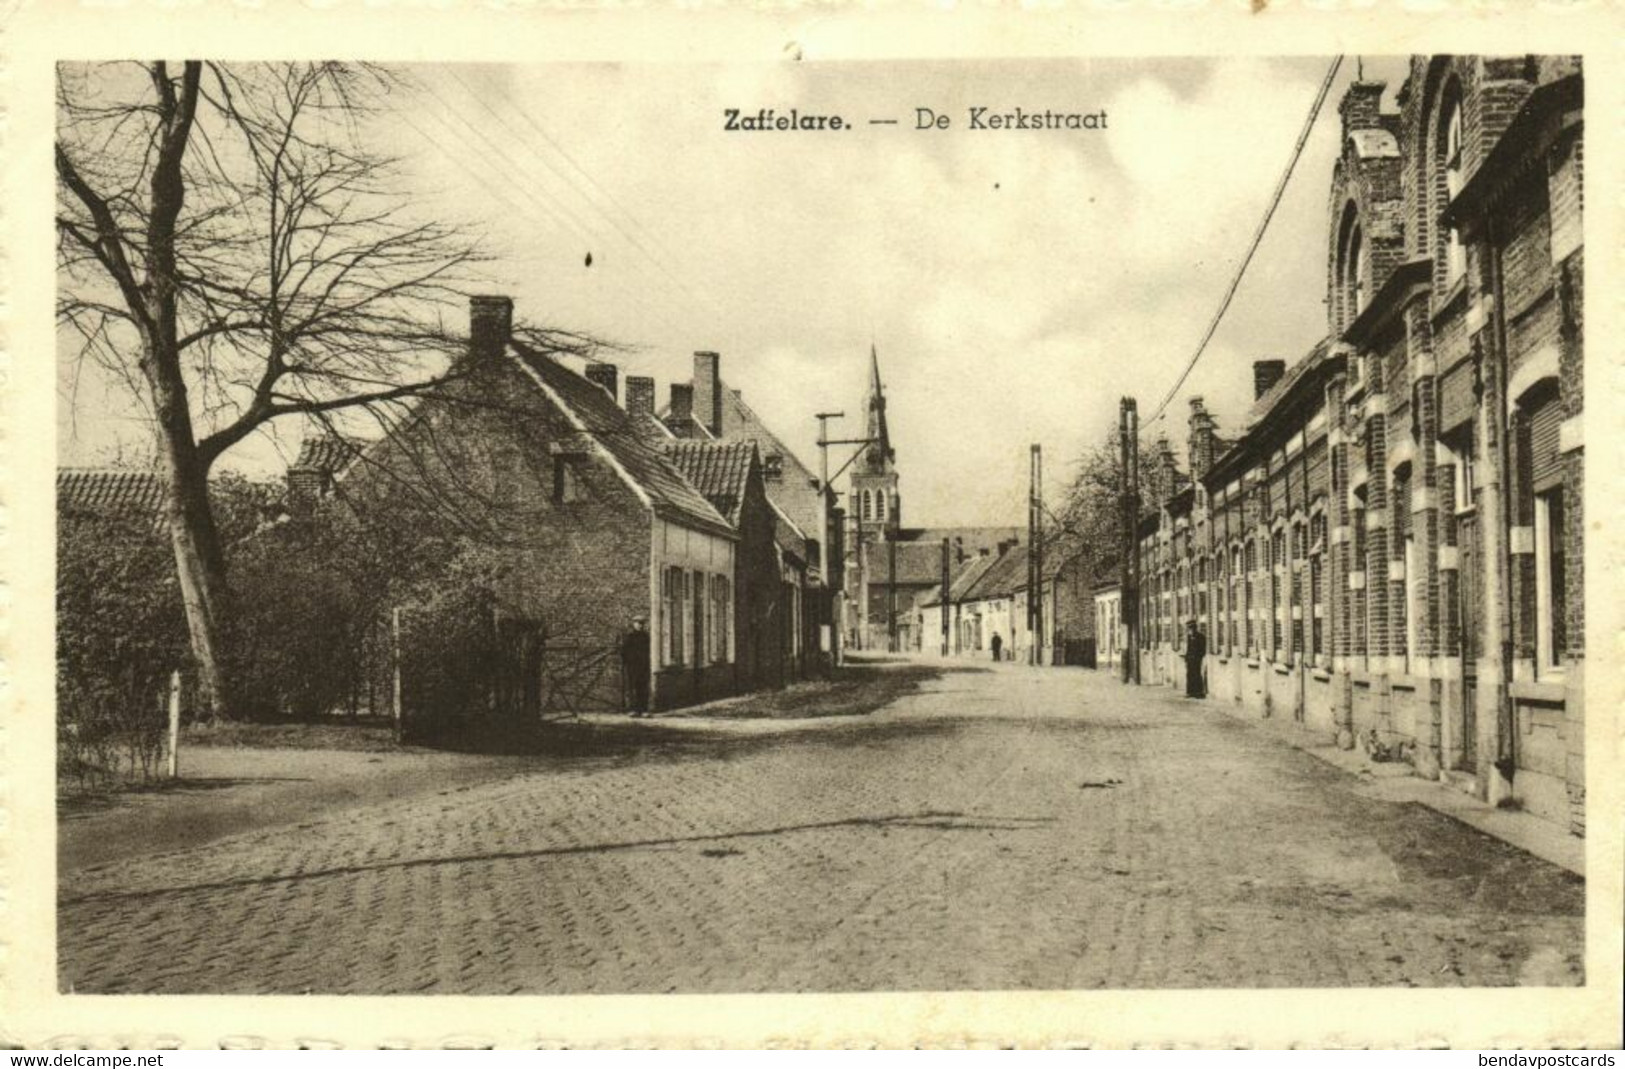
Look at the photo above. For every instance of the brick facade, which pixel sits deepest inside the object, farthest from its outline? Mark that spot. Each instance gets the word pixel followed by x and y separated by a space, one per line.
pixel 581 522
pixel 1392 551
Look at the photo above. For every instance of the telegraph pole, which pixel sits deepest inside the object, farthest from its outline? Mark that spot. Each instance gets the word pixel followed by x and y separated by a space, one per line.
pixel 1129 517
pixel 833 542
pixel 945 587
pixel 1035 555
pixel 891 589
pixel 824 442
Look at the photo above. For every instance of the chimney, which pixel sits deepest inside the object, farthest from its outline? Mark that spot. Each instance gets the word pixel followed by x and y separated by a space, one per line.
pixel 609 377
pixel 1361 107
pixel 1266 373
pixel 682 402
pixel 640 395
pixel 490 326
pixel 1202 446
pixel 707 383
pixel 304 490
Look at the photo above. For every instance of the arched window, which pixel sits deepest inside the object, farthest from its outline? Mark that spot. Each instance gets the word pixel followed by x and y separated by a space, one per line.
pixel 867 506
pixel 880 505
pixel 1455 256
pixel 1359 268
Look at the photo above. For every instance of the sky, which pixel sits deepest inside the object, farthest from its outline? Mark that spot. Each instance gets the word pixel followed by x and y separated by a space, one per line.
pixel 1015 283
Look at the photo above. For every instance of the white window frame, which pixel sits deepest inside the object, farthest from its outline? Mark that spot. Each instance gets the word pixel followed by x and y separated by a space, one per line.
pixel 1547 658
pixel 1455 253
pixel 1360 265
pixel 1411 593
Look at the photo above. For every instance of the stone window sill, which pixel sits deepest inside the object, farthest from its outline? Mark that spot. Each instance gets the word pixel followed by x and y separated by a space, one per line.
pixel 1546 692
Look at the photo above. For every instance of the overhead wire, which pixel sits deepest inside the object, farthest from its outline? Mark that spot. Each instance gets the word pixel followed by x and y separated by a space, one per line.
pixel 587 193
pixel 1258 238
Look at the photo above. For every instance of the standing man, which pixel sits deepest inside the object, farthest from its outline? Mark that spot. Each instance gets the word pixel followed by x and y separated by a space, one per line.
pixel 998 645
pixel 1195 654
pixel 635 667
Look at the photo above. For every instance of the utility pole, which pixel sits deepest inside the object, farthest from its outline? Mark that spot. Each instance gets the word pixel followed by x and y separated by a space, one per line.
pixel 834 567
pixel 945 587
pixel 824 442
pixel 1129 518
pixel 891 589
pixel 1035 555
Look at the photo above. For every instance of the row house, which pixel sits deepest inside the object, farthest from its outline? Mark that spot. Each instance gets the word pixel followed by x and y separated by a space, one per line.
pixel 989 595
pixel 707 408
pixel 1392 550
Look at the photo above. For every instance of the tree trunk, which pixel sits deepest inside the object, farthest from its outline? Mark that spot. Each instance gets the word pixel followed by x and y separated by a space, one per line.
pixel 199 563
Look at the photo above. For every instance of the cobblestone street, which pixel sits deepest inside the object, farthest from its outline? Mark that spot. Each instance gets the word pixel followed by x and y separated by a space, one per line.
pixel 1001 828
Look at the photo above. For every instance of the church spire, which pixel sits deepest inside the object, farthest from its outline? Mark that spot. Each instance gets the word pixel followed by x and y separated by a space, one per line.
pixel 880 451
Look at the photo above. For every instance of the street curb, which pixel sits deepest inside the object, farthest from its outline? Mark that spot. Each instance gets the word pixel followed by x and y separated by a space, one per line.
pixel 1397 782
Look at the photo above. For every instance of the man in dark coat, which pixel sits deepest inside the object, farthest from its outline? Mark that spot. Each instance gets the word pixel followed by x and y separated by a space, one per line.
pixel 1195 653
pixel 998 646
pixel 635 667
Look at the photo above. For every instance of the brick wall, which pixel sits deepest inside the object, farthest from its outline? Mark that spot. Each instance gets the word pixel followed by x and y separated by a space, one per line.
pixel 479 468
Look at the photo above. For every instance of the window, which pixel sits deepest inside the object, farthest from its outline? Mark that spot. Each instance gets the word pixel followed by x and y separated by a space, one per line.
pixel 696 600
pixel 721 611
pixel 1550 581
pixel 1299 577
pixel 880 506
pixel 1251 593
pixel 1413 594
pixel 773 468
pixel 868 506
pixel 1458 456
pixel 1278 580
pixel 566 479
pixel 1317 550
pixel 1455 256
pixel 1235 597
pixel 1359 271
pixel 672 582
pixel 1542 478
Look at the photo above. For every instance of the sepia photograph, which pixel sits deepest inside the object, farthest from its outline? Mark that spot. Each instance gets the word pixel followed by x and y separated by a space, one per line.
pixel 819 526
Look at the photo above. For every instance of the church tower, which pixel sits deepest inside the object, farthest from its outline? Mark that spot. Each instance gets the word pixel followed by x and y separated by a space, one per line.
pixel 874 502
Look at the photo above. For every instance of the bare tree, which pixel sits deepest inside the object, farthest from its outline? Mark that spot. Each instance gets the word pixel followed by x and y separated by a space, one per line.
pixel 230 247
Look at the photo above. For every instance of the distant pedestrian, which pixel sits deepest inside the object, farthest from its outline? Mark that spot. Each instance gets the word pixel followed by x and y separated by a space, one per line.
pixel 635 667
pixel 1195 656
pixel 998 647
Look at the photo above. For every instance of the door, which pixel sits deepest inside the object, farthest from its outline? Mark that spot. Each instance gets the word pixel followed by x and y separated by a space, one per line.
pixel 1469 592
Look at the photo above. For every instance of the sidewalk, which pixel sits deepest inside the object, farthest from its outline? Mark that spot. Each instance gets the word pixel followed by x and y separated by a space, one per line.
pixel 1397 782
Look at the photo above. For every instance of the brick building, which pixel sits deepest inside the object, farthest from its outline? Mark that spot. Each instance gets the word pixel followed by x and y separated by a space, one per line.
pixel 587 524
pixel 1392 550
pixel 988 595
pixel 705 407
pixel 729 474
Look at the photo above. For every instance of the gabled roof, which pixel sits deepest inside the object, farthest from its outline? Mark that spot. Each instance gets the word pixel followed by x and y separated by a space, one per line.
pixel 1007 574
pixel 109 491
pixel 917 564
pixel 650 429
pixel 1283 386
pixel 963 580
pixel 968 541
pixel 1059 551
pixel 790 538
pixel 602 421
pixel 719 470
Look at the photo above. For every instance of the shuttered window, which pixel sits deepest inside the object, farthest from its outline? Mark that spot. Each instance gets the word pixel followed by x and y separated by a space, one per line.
pixel 1544 469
